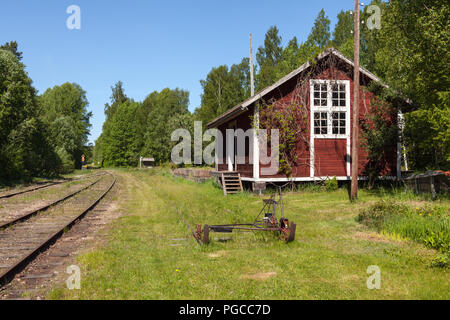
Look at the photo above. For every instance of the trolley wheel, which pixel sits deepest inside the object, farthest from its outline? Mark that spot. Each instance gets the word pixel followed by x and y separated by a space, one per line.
pixel 206 234
pixel 198 232
pixel 291 236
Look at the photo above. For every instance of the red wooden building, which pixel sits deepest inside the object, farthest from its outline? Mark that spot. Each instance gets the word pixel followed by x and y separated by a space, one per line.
pixel 325 88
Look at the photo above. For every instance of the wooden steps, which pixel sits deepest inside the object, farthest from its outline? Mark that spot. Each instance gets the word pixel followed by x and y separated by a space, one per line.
pixel 231 183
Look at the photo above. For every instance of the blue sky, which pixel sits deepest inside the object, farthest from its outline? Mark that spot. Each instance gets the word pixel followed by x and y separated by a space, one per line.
pixel 148 45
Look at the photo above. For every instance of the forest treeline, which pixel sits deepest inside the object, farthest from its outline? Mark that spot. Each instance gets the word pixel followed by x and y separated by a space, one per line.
pixel 40 135
pixel 133 129
pixel 410 52
pixel 43 134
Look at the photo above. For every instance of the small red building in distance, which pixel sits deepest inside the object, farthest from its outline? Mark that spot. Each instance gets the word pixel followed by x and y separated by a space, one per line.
pixel 324 88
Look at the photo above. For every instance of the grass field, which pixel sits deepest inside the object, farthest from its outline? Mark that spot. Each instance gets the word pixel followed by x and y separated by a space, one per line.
pixel 151 255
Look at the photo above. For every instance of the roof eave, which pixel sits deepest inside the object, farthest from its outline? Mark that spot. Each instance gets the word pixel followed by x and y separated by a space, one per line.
pixel 228 116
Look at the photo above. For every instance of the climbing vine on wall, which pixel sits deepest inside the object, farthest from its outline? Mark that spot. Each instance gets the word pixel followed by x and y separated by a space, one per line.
pixel 290 115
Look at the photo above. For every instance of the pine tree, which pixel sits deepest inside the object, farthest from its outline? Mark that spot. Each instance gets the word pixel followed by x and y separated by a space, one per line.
pixel 320 33
pixel 268 57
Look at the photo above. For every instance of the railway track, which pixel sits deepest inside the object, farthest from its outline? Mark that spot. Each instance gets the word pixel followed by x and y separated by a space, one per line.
pixel 5 223
pixel 12 194
pixel 25 239
pixel 8 195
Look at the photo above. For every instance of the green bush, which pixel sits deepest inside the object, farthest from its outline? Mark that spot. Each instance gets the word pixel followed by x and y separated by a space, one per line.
pixel 332 185
pixel 429 225
pixel 441 261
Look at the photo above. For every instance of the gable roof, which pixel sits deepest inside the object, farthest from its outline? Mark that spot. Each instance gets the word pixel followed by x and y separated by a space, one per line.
pixel 242 107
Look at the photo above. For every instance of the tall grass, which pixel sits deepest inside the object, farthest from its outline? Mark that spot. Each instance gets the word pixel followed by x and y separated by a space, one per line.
pixel 429 224
pixel 400 192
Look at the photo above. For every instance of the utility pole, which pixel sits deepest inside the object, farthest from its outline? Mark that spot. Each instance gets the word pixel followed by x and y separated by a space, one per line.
pixel 355 126
pixel 252 81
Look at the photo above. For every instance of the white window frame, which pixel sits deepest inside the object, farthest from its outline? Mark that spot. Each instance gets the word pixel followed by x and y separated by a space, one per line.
pixel 329 109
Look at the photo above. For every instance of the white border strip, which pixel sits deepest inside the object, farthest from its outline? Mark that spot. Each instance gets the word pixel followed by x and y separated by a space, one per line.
pixel 308 179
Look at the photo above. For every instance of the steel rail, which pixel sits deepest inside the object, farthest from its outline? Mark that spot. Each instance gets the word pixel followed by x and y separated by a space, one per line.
pixel 43 208
pixel 50 184
pixel 7 275
pixel 10 195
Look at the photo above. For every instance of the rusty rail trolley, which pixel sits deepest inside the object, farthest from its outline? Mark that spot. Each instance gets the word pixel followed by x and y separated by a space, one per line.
pixel 269 222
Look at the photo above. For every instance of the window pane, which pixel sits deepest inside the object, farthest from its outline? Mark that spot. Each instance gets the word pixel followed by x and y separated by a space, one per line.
pixel 339 94
pixel 321 123
pixel 320 95
pixel 339 123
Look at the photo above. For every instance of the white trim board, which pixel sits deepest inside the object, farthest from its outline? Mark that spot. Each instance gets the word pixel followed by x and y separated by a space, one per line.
pixel 256 145
pixel 329 109
pixel 309 179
